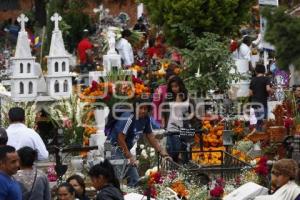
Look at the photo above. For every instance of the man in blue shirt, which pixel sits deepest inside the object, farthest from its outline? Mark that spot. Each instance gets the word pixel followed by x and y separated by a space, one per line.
pixel 126 132
pixel 9 165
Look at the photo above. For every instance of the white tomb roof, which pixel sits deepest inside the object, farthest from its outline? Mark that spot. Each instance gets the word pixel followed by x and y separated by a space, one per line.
pixel 57 47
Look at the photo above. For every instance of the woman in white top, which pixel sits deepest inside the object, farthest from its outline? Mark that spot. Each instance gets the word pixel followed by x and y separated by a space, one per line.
pixel 178 111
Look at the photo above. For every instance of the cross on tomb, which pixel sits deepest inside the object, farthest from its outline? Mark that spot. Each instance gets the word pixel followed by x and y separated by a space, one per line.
pixel 22 19
pixel 56 18
pixel 100 9
pixel 102 13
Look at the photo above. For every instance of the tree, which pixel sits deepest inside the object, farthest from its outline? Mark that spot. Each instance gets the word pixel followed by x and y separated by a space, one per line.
pixel 40 12
pixel 73 23
pixel 221 17
pixel 283 31
pixel 208 55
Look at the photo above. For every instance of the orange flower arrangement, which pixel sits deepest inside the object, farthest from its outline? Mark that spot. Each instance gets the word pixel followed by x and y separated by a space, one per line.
pixel 180 189
pixel 101 90
pixel 213 141
pixel 241 155
pixel 208 158
pixel 238 127
pixel 213 138
pixel 109 93
pixel 136 68
pixel 141 89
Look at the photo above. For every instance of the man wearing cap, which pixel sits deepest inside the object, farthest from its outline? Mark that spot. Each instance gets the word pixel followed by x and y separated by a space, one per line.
pixel 19 135
pixel 3 137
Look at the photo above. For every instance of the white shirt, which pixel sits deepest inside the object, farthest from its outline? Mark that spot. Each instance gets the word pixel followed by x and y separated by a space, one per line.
pixel 125 51
pixel 244 52
pixel 177 111
pixel 20 136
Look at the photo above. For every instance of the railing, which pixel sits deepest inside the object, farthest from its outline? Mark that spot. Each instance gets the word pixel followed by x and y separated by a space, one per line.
pixel 230 167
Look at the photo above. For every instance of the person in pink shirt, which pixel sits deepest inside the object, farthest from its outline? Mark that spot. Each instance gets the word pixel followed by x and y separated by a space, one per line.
pixel 159 97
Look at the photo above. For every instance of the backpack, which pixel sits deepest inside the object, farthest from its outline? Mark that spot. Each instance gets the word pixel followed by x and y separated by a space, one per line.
pixel 113 116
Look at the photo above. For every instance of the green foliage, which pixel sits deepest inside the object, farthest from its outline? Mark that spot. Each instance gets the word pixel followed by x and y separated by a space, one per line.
pixel 30 113
pixel 73 23
pixel 283 31
pixel 221 17
pixel 211 56
pixel 77 20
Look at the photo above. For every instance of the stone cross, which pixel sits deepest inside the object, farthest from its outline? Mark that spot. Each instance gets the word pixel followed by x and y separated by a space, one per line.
pixel 102 13
pixel 22 19
pixel 100 9
pixel 56 18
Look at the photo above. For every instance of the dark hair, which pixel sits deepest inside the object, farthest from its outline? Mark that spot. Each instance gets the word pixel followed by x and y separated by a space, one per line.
pixel 105 169
pixel 182 88
pixel 3 136
pixel 295 87
pixel 126 33
pixel 260 68
pixel 79 180
pixel 27 156
pixel 151 42
pixel 247 40
pixel 140 19
pixel 5 150
pixel 169 74
pixel 68 186
pixel 16 114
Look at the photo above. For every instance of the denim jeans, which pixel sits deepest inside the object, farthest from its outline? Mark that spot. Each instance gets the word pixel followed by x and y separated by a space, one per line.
pixel 132 172
pixel 175 146
pixel 261 113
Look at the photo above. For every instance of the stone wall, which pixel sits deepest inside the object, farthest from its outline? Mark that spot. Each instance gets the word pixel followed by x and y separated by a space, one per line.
pixel 25 5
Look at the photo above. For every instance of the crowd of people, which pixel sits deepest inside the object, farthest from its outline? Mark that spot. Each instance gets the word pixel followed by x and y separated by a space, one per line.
pixel 21 180
pixel 21 147
pixel 170 108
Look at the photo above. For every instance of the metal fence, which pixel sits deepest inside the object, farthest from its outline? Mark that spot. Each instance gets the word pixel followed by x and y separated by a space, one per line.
pixel 229 167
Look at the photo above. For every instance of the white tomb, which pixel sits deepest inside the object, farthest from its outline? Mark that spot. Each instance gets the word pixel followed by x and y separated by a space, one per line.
pixel 27 80
pixel 59 79
pixel 112 59
pixel 24 79
pixel 247 191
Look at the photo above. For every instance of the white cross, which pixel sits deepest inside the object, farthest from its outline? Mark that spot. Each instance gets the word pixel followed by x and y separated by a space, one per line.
pixel 22 19
pixel 56 18
pixel 100 9
pixel 102 13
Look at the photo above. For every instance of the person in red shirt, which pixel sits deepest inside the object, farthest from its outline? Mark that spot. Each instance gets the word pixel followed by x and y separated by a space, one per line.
pixel 151 49
pixel 83 47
